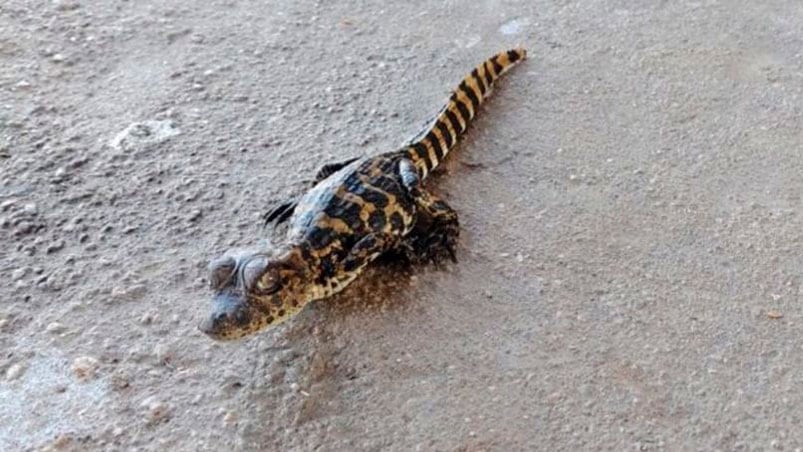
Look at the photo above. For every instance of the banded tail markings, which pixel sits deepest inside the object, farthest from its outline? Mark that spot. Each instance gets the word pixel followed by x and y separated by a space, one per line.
pixel 462 107
pixel 457 118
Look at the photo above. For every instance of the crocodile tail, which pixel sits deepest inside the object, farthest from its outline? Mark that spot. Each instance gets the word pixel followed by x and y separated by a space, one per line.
pixel 427 152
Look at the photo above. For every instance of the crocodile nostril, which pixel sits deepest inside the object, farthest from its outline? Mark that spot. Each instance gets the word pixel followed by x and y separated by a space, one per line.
pixel 220 317
pixel 241 317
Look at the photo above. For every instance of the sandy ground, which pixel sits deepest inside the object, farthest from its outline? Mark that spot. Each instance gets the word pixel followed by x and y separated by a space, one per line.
pixel 630 264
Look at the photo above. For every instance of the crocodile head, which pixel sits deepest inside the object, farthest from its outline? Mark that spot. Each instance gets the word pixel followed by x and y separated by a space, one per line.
pixel 252 291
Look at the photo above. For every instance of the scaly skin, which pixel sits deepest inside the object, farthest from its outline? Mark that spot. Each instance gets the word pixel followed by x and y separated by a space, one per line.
pixel 357 210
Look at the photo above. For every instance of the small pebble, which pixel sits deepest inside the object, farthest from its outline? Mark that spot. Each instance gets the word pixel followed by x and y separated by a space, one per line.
pixel 54 327
pixel 195 215
pixel 30 208
pixel 229 418
pixel 55 246
pixel 60 443
pixel 15 371
pixel 135 291
pixel 85 367
pixel 156 410
pixel 19 273
pixel 6 204
pixel 58 58
pixel 120 381
pixel 162 352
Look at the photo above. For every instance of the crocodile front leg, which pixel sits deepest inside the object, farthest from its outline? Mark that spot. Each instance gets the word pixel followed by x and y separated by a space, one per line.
pixel 335 274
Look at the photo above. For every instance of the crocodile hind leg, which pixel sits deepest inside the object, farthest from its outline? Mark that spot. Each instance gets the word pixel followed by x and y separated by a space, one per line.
pixel 436 229
pixel 280 213
pixel 331 168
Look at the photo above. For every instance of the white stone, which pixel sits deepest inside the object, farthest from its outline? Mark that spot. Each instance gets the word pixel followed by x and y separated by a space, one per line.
pixel 85 367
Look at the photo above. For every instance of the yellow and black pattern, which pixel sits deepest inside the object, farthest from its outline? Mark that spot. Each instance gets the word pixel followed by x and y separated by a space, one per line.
pixel 463 104
pixel 356 211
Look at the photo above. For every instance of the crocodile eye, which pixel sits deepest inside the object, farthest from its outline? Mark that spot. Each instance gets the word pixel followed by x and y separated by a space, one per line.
pixel 257 275
pixel 220 271
pixel 269 282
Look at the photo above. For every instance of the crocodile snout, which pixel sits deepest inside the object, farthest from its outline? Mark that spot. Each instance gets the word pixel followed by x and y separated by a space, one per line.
pixel 229 315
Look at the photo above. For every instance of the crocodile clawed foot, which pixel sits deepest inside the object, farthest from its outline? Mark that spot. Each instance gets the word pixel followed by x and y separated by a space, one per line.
pixel 433 248
pixel 442 245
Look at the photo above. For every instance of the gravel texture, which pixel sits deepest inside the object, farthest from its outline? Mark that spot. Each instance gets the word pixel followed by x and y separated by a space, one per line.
pixel 630 264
